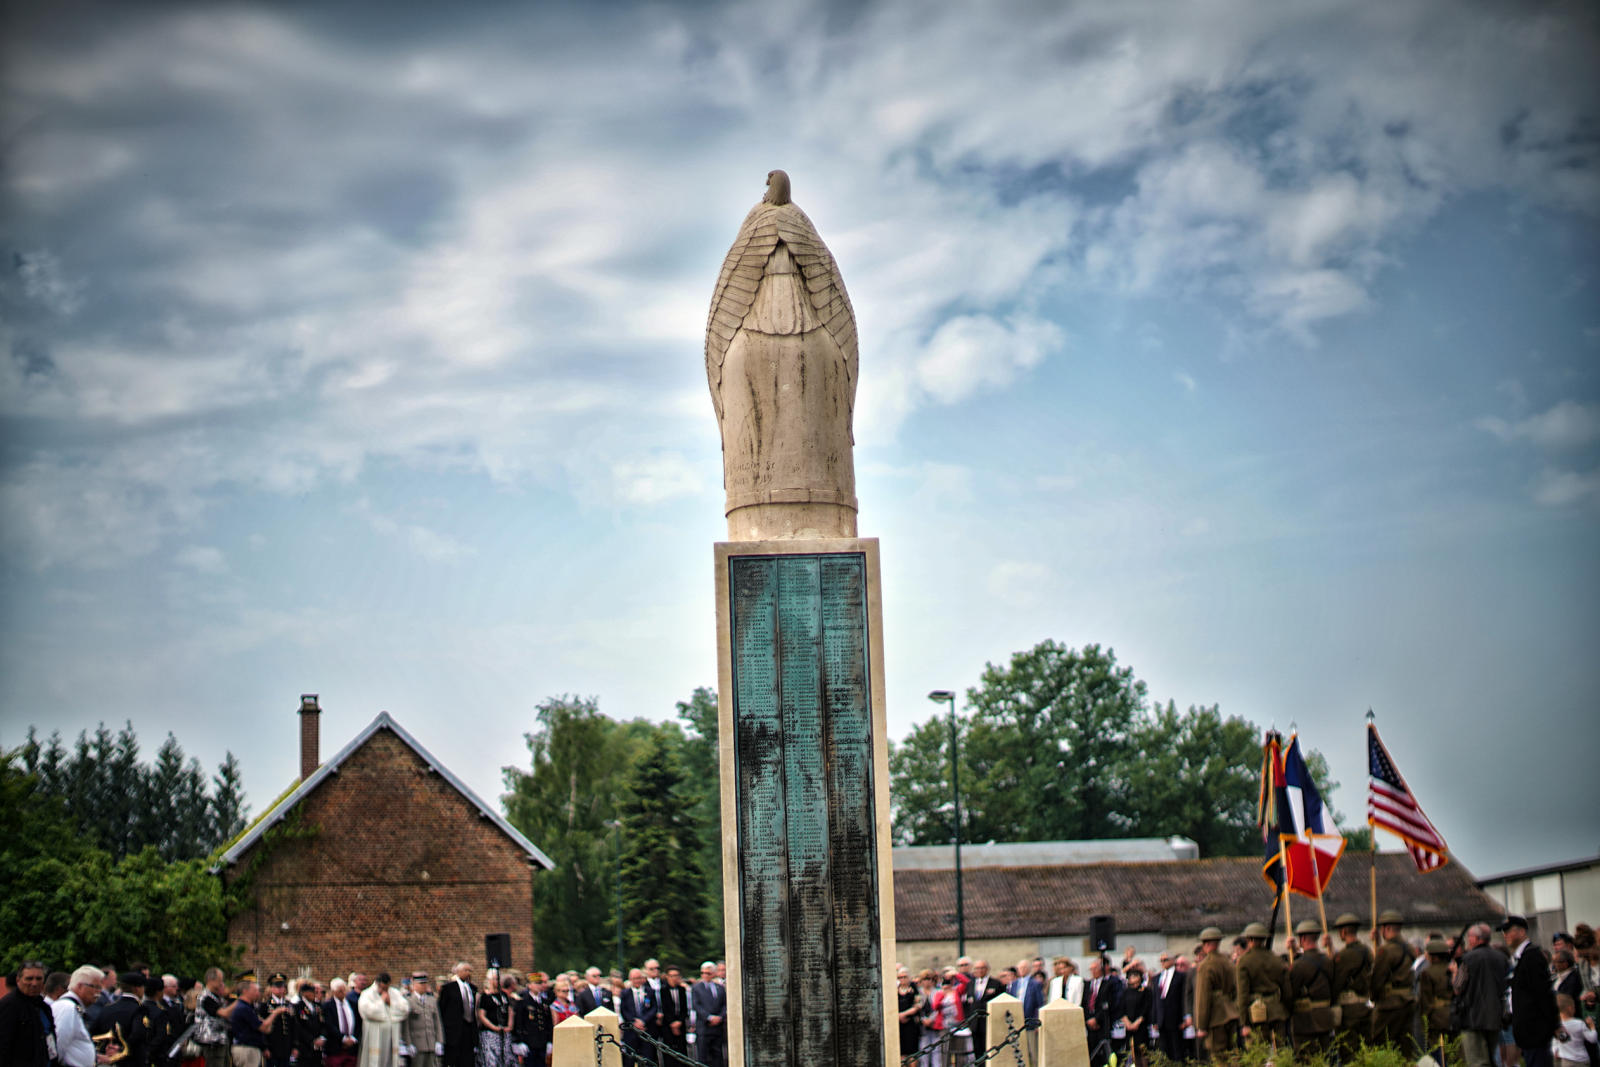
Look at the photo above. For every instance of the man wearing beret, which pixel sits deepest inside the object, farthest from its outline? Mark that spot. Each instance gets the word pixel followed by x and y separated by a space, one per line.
pixel 1532 1000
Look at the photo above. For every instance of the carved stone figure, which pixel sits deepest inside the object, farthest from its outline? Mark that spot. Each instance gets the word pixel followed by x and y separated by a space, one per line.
pixel 781 359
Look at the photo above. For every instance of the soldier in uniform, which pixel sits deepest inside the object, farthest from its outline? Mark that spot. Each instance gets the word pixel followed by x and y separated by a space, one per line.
pixel 1433 994
pixel 1263 984
pixel 1394 1005
pixel 279 1049
pixel 124 1022
pixel 1311 994
pixel 1216 1020
pixel 1352 982
pixel 305 1022
pixel 158 1024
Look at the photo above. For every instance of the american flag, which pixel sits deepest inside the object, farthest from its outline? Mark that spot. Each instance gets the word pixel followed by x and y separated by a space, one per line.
pixel 1391 806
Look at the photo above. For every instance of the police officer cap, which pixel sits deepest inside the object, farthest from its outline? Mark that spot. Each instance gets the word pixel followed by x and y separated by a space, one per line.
pixel 1514 920
pixel 246 975
pixel 1438 946
pixel 1308 926
pixel 1256 930
pixel 278 978
pixel 1347 919
pixel 1390 918
pixel 1210 933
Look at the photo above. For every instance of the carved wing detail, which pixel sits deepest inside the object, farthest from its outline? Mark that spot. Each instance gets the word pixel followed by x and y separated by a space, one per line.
pixel 735 291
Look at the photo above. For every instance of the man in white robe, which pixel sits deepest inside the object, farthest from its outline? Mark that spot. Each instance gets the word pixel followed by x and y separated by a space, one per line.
pixel 383 1008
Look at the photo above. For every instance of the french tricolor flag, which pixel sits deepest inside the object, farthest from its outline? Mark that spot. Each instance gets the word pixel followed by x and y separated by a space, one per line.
pixel 1311 853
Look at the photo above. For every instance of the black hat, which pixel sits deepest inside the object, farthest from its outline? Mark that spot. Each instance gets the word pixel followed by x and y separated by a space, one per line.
pixel 1513 920
pixel 278 978
pixel 154 985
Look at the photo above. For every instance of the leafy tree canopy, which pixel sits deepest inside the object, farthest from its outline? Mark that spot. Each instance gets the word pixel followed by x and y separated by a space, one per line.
pixel 1061 744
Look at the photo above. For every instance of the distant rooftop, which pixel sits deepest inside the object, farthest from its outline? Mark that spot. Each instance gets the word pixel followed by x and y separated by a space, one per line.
pixel 1046 853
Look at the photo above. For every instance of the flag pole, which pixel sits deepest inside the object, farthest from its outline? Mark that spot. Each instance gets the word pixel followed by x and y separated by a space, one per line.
pixel 1372 847
pixel 1288 918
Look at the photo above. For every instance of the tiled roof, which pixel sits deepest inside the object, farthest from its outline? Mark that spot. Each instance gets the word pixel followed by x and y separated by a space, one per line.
pixel 286 803
pixel 1056 901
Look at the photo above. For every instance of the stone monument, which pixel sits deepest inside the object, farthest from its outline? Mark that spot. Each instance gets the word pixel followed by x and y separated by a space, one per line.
pixel 807 889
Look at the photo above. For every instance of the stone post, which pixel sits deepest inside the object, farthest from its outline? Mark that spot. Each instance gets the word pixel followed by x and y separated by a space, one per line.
pixel 611 1023
pixel 574 1043
pixel 1063 1041
pixel 1005 1012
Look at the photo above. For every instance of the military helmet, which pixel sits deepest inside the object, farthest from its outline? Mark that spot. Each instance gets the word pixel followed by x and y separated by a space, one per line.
pixel 1210 933
pixel 1390 918
pixel 1347 919
pixel 1308 926
pixel 1257 930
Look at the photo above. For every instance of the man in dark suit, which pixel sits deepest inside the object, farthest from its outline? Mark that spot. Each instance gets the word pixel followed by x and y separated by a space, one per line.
pixel 982 990
pixel 125 1019
pixel 1168 1012
pixel 458 1015
pixel 341 1027
pixel 594 993
pixel 675 1012
pixel 709 1000
pixel 638 1010
pixel 1533 1002
pixel 1100 1002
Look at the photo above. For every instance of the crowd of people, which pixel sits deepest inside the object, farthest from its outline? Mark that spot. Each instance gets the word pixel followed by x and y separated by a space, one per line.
pixel 96 1016
pixel 1506 1000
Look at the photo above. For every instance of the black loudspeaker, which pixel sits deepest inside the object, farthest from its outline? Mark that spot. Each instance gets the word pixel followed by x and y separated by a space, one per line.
pixel 497 950
pixel 1102 932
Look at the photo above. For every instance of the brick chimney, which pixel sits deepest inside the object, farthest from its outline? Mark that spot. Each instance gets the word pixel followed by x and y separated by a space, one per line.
pixel 310 731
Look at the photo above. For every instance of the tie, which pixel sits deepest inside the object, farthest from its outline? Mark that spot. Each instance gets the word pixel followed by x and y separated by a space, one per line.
pixel 1095 992
pixel 344 1019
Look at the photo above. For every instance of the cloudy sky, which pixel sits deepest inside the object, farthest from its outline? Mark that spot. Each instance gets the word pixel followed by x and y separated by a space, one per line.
pixel 358 351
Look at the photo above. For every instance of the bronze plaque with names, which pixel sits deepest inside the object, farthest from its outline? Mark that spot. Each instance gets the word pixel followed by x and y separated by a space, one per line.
pixel 808 877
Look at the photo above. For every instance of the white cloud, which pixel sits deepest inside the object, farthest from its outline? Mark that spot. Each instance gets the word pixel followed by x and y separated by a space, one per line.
pixel 1562 488
pixel 425 542
pixel 203 559
pixel 656 479
pixel 969 352
pixel 1019 583
pixel 1565 425
pixel 1186 380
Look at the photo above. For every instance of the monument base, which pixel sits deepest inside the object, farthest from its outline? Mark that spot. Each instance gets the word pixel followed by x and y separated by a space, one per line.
pixel 808 892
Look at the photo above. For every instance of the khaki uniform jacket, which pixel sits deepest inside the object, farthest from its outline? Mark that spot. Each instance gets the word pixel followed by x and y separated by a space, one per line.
pixel 1214 991
pixel 1352 983
pixel 1433 996
pixel 1391 975
pixel 1263 976
pixel 1311 994
pixel 422 1028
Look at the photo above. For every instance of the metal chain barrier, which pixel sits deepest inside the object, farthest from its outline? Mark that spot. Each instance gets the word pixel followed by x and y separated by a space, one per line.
pixel 1013 1041
pixel 601 1038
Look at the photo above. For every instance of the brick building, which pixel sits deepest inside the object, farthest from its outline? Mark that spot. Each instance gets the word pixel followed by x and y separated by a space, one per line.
pixel 378 859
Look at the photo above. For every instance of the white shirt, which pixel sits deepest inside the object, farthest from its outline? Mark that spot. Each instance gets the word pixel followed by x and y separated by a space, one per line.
pixel 73 1046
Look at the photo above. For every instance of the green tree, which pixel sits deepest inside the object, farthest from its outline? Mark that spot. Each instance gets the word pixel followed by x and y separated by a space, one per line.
pixel 69 901
pixel 1198 775
pixel 1062 745
pixel 1047 745
pixel 702 770
pixel 661 882
pixel 568 803
pixel 124 805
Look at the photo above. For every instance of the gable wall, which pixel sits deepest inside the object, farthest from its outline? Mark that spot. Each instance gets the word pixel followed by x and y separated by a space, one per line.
pixel 403 873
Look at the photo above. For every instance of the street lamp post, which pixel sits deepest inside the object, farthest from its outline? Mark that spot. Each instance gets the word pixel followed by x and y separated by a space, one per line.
pixel 940 696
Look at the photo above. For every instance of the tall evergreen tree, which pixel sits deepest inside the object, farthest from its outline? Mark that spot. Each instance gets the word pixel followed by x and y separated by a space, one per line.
pixel 662 890
pixel 702 790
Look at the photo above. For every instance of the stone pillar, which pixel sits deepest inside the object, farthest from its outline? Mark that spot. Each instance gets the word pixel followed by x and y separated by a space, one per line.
pixel 1005 1013
pixel 808 894
pixel 574 1043
pixel 610 1022
pixel 1063 1040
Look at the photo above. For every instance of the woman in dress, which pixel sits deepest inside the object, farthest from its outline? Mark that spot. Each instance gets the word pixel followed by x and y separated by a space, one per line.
pixel 1135 1013
pixel 562 1008
pixel 494 1025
